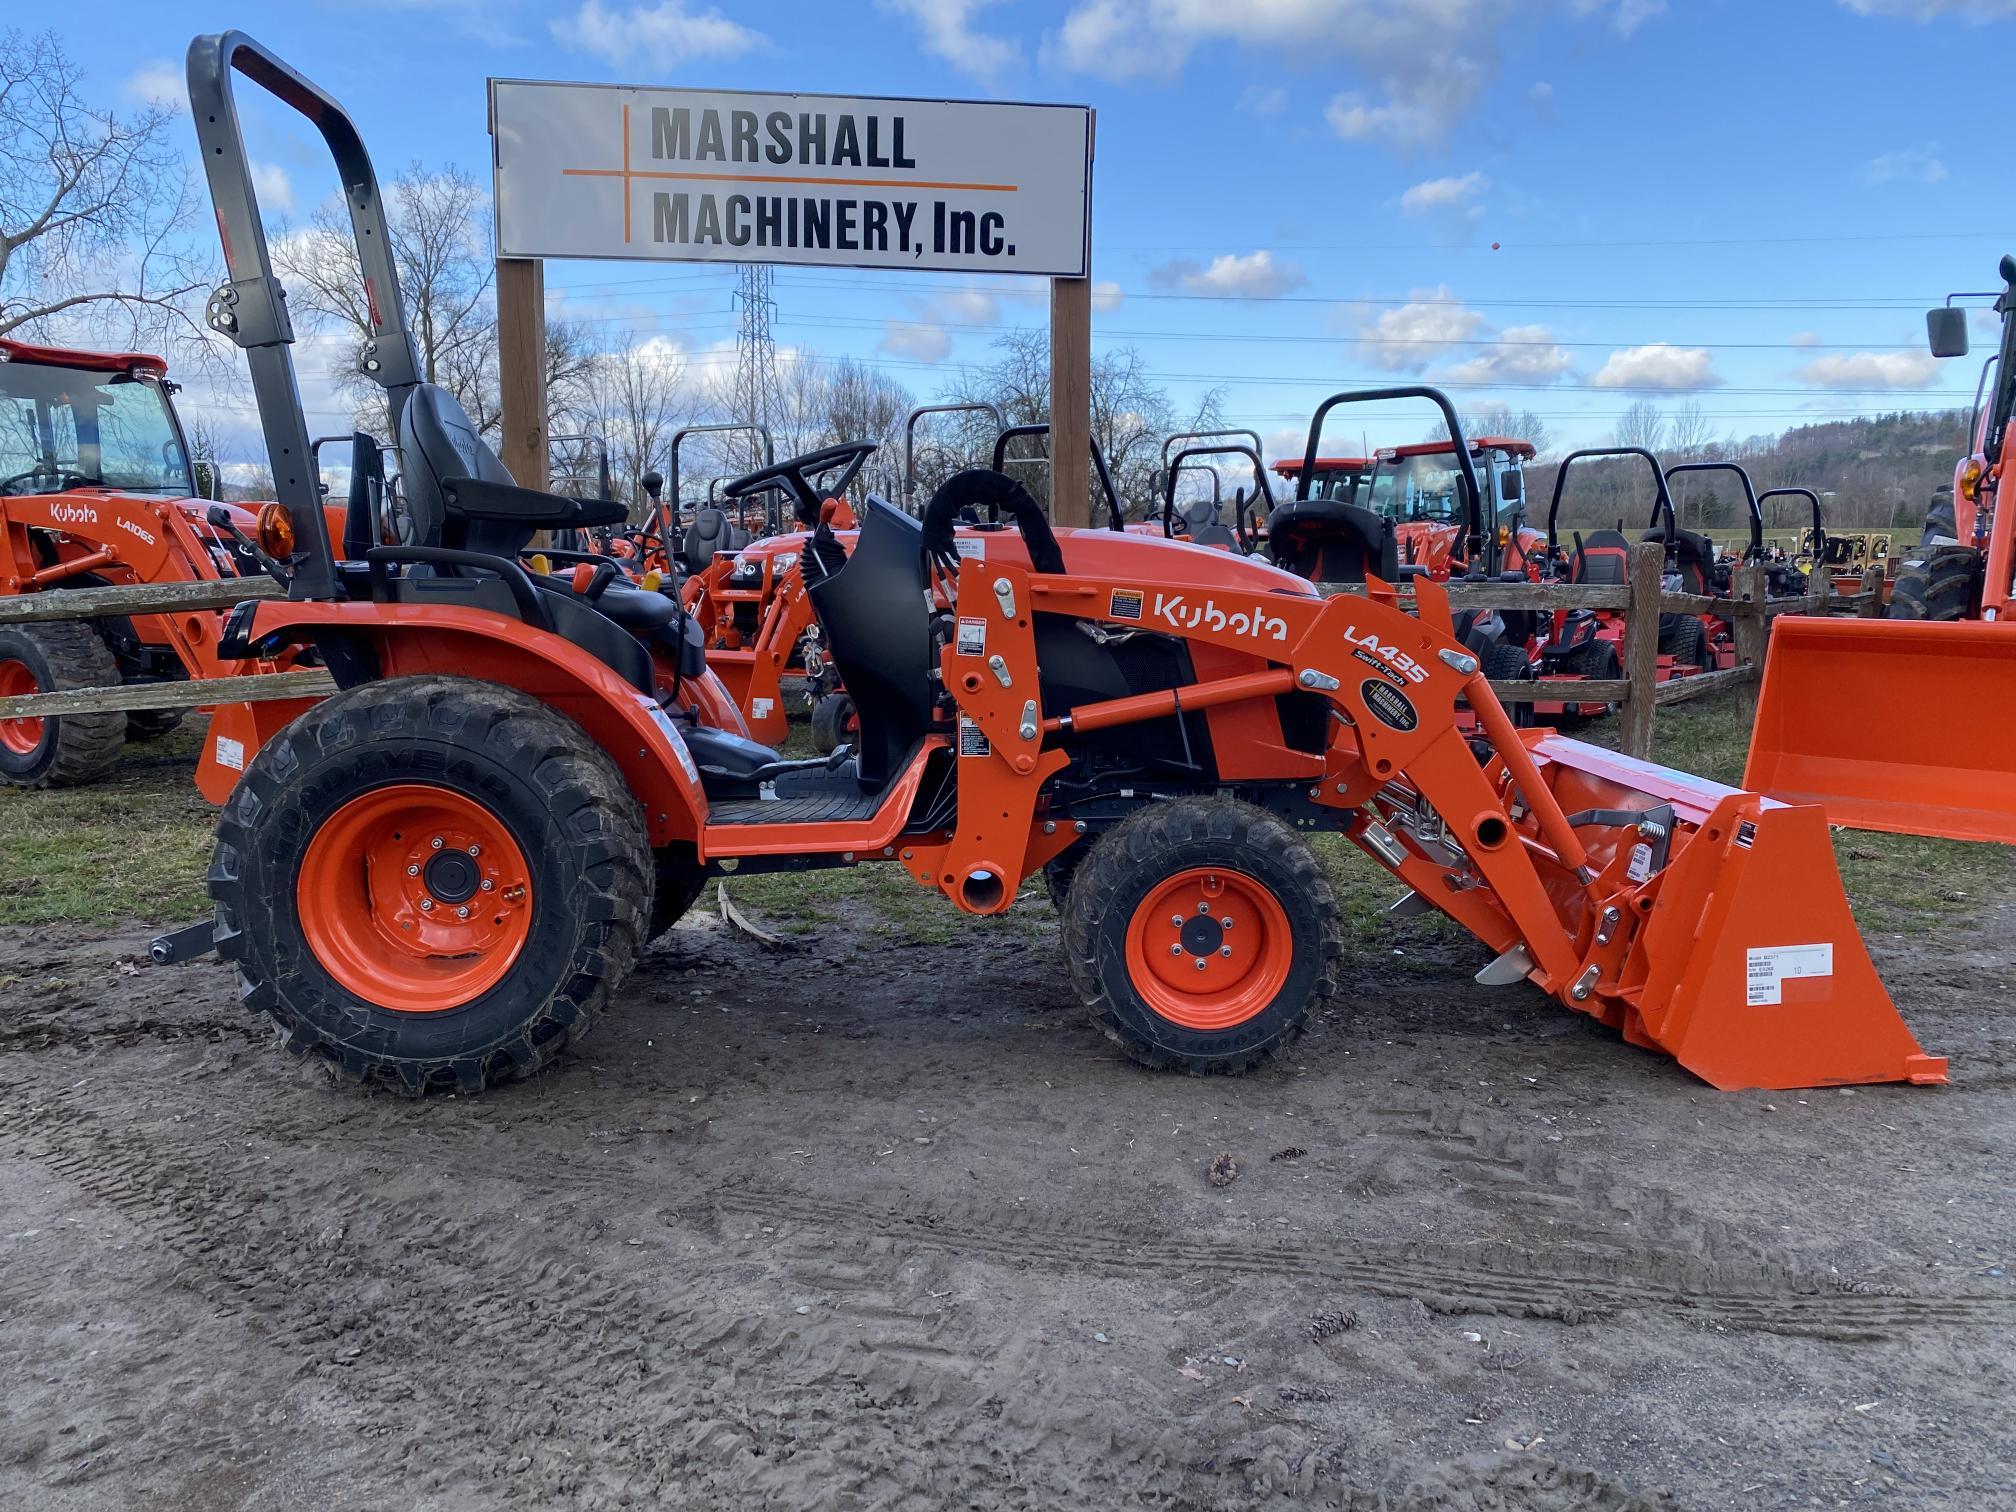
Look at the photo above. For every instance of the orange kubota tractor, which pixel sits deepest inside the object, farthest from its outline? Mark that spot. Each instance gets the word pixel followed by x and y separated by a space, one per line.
pixel 97 489
pixel 439 877
pixel 1920 747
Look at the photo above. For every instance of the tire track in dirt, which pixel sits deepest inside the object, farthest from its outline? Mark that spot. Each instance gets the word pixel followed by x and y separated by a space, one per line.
pixel 461 1346
pixel 1563 1286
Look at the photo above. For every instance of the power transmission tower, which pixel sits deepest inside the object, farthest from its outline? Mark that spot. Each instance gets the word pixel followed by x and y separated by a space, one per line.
pixel 756 394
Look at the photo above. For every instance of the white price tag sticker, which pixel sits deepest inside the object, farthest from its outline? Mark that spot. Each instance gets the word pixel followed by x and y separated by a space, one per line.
pixel 231 753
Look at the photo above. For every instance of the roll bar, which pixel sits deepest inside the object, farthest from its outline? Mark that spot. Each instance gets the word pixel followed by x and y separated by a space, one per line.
pixel 251 307
pixel 1819 526
pixel 668 512
pixel 1480 546
pixel 1250 453
pixel 977 406
pixel 1114 520
pixel 1251 437
pixel 1756 550
pixel 1662 503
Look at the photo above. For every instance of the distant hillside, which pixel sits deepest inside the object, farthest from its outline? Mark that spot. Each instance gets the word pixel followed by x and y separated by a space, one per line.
pixel 1879 470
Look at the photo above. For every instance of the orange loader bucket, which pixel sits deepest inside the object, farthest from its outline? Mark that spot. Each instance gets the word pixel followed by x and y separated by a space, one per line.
pixel 1906 726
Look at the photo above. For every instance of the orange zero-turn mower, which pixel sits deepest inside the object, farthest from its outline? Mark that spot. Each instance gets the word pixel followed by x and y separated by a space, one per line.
pixel 440 876
pixel 97 489
pixel 1901 724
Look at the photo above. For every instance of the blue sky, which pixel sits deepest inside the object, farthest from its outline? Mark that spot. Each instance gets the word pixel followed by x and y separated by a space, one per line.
pixel 1561 205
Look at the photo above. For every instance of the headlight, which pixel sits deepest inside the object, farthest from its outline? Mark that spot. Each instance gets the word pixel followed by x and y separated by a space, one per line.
pixel 786 560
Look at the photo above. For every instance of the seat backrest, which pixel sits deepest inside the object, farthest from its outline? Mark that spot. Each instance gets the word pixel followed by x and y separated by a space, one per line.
pixel 1328 541
pixel 1214 534
pixel 708 533
pixel 877 625
pixel 1197 515
pixel 437 441
pixel 1693 558
pixel 1602 559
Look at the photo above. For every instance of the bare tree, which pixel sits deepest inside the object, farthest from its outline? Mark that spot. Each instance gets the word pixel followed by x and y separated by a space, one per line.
pixel 633 400
pixel 1643 424
pixel 1688 432
pixel 440 237
pixel 1501 420
pixel 95 208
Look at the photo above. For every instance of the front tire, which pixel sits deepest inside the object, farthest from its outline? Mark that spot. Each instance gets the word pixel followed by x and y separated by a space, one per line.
pixel 834 723
pixel 65 750
pixel 1152 965
pixel 431 882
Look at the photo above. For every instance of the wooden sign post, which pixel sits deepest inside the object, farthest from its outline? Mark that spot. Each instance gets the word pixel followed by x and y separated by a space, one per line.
pixel 521 368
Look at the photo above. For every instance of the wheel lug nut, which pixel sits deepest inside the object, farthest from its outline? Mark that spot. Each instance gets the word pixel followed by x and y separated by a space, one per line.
pixel 412 871
pixel 426 905
pixel 462 913
pixel 1203 908
pixel 475 851
pixel 1176 920
pixel 1226 922
pixel 435 842
pixel 1175 950
pixel 1200 963
pixel 488 884
pixel 1225 950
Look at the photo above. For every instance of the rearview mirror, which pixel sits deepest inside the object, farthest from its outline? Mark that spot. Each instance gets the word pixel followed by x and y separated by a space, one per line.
pixel 1946 331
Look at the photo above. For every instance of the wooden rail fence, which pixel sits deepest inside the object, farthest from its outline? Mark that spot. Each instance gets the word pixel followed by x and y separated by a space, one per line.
pixel 1638 693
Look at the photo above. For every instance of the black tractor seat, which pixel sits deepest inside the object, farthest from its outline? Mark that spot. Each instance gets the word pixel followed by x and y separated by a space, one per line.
pixel 1327 541
pixel 1693 558
pixel 1602 558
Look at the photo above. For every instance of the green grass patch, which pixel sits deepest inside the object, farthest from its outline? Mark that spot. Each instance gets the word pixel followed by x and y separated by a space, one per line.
pixel 132 847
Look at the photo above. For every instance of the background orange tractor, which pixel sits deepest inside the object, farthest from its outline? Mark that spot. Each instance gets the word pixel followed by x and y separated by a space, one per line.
pixel 97 488
pixel 1921 745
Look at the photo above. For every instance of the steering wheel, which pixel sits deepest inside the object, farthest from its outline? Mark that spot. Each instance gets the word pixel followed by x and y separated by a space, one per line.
pixel 797 472
pixel 63 479
pixel 998 491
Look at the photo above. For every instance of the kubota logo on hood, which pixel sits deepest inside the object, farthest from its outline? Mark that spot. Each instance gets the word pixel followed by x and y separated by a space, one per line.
pixel 1174 609
pixel 73 514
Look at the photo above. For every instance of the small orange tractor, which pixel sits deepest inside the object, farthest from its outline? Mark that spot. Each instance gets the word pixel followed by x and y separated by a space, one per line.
pixel 97 489
pixel 1921 748
pixel 439 877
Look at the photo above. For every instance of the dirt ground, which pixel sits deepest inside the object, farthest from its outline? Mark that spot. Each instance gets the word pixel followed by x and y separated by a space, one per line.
pixel 857 1223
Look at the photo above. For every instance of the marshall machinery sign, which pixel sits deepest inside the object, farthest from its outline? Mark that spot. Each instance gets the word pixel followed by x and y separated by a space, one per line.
pixel 586 170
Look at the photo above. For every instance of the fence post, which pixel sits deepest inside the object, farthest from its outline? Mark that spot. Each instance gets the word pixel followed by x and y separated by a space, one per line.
pixel 1641 649
pixel 1749 588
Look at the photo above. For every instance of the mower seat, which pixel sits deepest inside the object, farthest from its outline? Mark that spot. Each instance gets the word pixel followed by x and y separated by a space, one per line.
pixel 1327 541
pixel 1693 557
pixel 877 623
pixel 632 607
pixel 1602 559
pixel 708 534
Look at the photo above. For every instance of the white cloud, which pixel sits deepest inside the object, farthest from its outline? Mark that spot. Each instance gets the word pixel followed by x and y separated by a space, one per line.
pixel 274 188
pixel 1443 194
pixel 1106 296
pixel 1907 165
pixel 1432 57
pixel 1659 368
pixel 1805 338
pixel 1519 354
pixel 1977 11
pixel 665 36
pixel 1624 16
pixel 945 29
pixel 1407 339
pixel 1262 100
pixel 915 340
pixel 1255 275
pixel 925 335
pixel 159 83
pixel 1872 370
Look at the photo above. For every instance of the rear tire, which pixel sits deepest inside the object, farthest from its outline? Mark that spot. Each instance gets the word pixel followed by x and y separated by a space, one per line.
pixel 1939 584
pixel 1505 661
pixel 1599 662
pixel 833 723
pixel 1686 641
pixel 326 862
pixel 66 750
pixel 1159 1004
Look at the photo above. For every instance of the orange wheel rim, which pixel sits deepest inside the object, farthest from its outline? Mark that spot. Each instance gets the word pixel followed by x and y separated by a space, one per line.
pixel 1209 948
pixel 414 898
pixel 21 736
